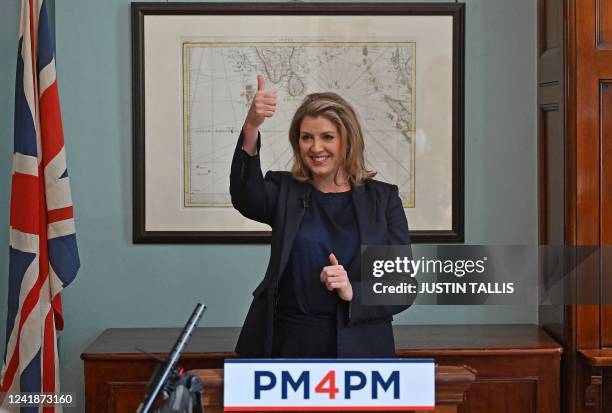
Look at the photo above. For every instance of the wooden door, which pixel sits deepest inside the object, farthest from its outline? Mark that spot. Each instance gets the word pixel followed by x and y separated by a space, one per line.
pixel 594 148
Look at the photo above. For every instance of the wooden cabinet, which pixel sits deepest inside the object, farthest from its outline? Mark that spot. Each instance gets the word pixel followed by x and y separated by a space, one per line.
pixel 517 366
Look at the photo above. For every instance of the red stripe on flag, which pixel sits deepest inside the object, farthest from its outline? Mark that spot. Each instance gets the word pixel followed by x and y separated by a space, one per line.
pixel 51 124
pixel 25 203
pixel 48 358
pixel 11 368
pixel 56 303
pixel 42 230
pixel 60 214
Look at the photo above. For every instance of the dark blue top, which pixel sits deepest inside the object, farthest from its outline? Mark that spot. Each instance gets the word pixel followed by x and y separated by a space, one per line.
pixel 329 225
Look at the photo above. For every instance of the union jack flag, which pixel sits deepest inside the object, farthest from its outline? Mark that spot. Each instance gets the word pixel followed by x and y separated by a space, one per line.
pixel 43 250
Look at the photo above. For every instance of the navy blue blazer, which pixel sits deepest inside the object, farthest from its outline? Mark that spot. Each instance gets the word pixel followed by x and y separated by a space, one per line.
pixel 279 201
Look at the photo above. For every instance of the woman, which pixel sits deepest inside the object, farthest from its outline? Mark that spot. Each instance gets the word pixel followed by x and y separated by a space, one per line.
pixel 309 302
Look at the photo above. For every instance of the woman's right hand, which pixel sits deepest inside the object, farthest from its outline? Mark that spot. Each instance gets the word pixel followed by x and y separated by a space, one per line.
pixel 262 107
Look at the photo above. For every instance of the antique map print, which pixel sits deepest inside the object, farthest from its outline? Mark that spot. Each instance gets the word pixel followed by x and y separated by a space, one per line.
pixel 219 81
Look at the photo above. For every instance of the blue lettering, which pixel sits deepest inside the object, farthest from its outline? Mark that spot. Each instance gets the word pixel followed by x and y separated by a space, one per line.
pixel 348 375
pixel 393 379
pixel 295 385
pixel 259 386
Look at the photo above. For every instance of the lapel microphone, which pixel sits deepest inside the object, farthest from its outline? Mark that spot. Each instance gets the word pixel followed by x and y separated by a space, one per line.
pixel 305 199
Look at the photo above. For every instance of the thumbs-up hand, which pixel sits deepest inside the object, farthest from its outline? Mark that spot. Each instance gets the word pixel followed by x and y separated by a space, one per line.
pixel 334 277
pixel 263 106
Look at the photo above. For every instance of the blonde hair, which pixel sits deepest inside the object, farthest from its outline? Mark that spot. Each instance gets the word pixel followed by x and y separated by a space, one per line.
pixel 338 111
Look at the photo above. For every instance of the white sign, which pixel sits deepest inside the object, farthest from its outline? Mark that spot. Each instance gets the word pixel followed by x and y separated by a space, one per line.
pixel 290 385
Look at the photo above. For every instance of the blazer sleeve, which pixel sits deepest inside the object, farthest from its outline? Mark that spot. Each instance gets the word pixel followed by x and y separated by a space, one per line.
pixel 252 195
pixel 397 228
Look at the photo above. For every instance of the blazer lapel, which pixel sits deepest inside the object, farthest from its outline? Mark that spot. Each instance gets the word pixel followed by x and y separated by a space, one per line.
pixel 364 202
pixel 298 199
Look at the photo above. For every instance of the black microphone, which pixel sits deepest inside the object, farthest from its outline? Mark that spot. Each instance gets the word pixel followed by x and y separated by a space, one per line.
pixel 166 371
pixel 305 201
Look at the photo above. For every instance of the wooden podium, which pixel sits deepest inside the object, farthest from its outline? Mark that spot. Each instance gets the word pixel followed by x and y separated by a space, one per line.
pixel 452 383
pixel 517 365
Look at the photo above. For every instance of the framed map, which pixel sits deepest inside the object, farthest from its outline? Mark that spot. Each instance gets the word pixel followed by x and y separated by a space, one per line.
pixel 378 77
pixel 194 74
